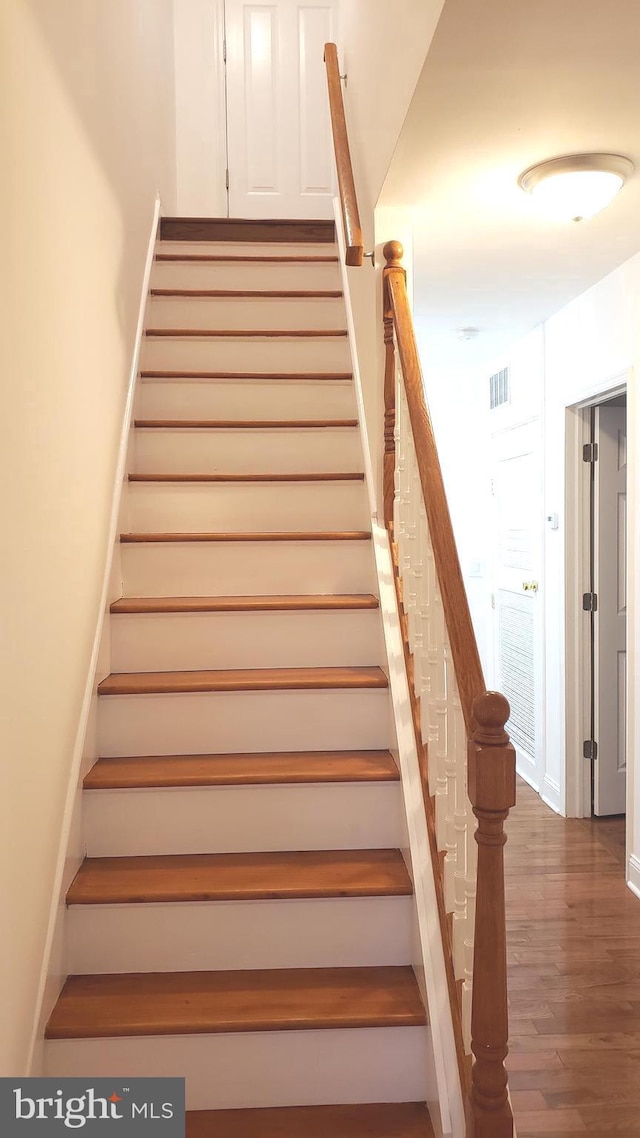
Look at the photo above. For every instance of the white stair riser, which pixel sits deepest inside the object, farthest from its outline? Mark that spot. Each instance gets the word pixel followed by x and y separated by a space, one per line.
pixel 248 248
pixel 247 568
pixel 231 451
pixel 201 723
pixel 249 275
pixel 242 819
pixel 151 642
pixel 246 312
pixel 245 399
pixel 173 507
pixel 273 354
pixel 270 1068
pixel 324 933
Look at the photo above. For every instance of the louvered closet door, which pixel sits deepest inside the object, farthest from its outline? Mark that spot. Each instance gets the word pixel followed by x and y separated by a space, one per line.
pixel 517 487
pixel 279 134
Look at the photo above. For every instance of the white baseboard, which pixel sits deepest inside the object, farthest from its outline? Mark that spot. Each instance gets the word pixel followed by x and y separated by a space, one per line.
pixel 448 1112
pixel 53 971
pixel 633 874
pixel 550 792
pixel 357 381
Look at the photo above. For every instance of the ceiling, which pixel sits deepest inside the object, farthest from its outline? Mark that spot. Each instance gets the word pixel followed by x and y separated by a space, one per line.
pixel 507 84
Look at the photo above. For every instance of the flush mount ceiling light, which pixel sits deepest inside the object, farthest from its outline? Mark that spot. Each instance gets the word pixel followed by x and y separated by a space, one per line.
pixel 576 186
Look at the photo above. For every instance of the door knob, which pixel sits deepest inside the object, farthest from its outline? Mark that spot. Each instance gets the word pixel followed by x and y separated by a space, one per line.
pixel 530 586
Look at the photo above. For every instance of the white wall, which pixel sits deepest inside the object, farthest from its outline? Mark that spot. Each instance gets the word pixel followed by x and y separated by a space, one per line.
pixel 590 346
pixel 87 126
pixel 200 110
pixel 466 470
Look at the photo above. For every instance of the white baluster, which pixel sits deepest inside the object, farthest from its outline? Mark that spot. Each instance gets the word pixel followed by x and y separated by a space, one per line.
pixel 410 591
pixel 449 769
pixel 460 823
pixel 419 577
pixel 470 889
pixel 397 436
pixel 403 500
pixel 438 715
pixel 422 623
pixel 416 544
pixel 407 551
pixel 429 657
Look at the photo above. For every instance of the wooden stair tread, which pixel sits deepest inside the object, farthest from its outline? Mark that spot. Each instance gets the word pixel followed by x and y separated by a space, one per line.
pixel 352 476
pixel 247 333
pixel 254 293
pixel 292 376
pixel 254 230
pixel 239 877
pixel 370 1120
pixel 242 769
pixel 185 1003
pixel 341 601
pixel 242 424
pixel 262 535
pixel 225 258
pixel 241 679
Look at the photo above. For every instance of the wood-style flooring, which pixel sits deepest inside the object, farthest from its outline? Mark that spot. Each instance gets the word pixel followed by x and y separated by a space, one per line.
pixel 574 975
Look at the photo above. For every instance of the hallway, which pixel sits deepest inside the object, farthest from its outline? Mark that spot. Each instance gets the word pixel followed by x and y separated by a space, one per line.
pixel 574 975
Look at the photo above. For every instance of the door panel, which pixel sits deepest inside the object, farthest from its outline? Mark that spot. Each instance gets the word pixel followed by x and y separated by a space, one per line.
pixel 279 135
pixel 517 488
pixel 259 79
pixel 610 585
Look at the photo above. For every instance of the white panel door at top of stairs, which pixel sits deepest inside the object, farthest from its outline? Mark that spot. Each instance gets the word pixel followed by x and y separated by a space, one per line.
pixel 244 901
pixel 279 135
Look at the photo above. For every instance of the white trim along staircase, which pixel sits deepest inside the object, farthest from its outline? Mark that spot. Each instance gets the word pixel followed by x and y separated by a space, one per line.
pixel 244 915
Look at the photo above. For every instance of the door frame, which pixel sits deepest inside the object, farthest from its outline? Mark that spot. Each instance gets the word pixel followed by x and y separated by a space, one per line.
pixel 577 581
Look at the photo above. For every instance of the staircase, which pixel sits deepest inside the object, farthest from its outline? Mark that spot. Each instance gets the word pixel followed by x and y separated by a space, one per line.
pixel 244 915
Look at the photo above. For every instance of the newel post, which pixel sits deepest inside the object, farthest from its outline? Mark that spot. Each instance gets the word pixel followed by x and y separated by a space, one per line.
pixel 492 792
pixel 393 253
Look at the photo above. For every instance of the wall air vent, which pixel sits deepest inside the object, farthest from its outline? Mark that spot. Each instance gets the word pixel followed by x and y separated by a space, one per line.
pixel 499 389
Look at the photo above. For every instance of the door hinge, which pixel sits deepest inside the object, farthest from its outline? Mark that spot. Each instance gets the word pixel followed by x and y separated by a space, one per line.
pixel 590 749
pixel 226 178
pixel 590 452
pixel 224 50
pixel 590 602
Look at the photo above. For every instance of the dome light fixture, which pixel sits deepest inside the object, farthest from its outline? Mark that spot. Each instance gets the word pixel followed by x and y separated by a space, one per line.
pixel 576 186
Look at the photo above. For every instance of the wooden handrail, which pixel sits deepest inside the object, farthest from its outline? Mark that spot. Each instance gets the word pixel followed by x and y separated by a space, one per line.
pixel 464 649
pixel 346 184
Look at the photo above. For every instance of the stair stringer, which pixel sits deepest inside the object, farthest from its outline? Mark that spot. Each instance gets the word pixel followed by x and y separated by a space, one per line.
pixel 447 1114
pixel 71 849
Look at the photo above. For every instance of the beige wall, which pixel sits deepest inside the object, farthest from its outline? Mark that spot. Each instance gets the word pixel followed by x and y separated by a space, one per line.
pixel 382 48
pixel 200 108
pixel 87 129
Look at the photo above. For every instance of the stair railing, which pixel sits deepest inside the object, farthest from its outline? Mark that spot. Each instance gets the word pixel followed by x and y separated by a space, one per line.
pixel 346 183
pixel 466 759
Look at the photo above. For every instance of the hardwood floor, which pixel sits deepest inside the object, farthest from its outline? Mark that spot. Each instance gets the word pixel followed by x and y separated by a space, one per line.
pixel 574 975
